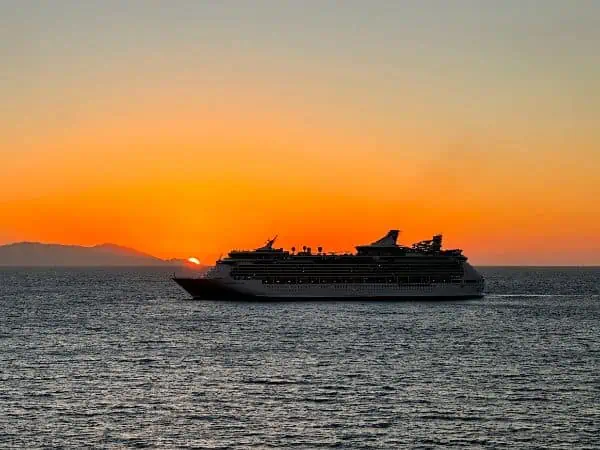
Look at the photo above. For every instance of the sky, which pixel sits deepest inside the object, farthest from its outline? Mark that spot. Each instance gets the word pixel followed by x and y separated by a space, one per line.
pixel 189 128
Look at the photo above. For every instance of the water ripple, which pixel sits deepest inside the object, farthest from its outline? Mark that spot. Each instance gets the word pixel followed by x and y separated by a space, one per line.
pixel 118 359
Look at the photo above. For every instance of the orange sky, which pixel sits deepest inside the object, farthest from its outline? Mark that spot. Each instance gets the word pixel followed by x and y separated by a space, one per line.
pixel 191 149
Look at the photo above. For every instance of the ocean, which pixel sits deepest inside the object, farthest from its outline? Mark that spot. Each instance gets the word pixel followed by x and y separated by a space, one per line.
pixel 120 358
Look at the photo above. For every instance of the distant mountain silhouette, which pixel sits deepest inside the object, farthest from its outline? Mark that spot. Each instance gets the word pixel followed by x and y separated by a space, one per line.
pixel 38 254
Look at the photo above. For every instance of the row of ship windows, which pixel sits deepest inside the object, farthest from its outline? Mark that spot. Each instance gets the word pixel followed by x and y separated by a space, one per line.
pixel 410 287
pixel 391 268
pixel 331 274
pixel 343 270
pixel 344 276
pixel 382 283
pixel 406 280
pixel 349 266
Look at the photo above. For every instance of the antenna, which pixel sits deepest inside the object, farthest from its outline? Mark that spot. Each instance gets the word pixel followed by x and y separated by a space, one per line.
pixel 268 245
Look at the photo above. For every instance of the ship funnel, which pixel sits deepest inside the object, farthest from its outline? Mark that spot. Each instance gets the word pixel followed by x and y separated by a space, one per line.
pixel 389 240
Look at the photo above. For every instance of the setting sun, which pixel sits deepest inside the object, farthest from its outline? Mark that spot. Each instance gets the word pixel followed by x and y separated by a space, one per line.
pixel 194 260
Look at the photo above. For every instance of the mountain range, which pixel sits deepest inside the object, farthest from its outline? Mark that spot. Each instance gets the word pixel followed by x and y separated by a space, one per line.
pixel 39 254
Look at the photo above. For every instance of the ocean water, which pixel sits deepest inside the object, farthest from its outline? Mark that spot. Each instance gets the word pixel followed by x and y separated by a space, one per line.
pixel 118 358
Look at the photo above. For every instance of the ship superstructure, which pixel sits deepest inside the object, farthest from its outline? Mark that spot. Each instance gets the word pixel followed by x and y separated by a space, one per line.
pixel 380 270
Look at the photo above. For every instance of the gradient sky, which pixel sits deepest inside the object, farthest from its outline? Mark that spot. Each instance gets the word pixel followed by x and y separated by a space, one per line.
pixel 191 127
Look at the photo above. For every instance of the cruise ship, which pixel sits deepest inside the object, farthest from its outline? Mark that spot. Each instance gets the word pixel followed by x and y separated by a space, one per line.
pixel 382 270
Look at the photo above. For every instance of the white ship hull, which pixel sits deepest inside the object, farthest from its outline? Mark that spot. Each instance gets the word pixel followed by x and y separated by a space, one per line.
pixel 215 289
pixel 361 290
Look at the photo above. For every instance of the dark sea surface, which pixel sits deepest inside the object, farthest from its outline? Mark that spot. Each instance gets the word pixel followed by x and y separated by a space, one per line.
pixel 117 358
